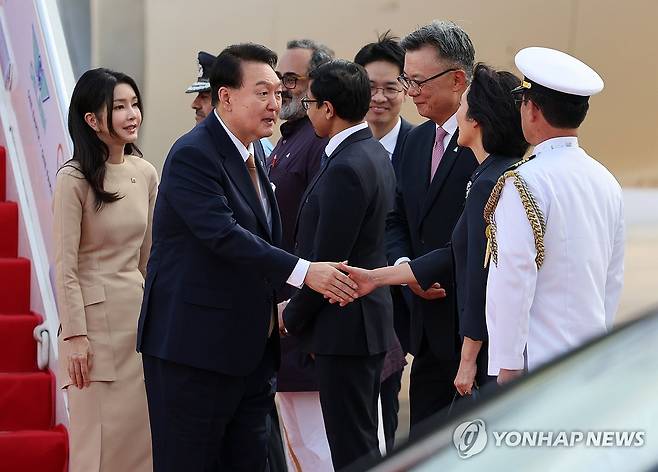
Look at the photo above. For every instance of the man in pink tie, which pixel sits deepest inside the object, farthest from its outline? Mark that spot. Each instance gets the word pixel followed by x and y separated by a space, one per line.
pixel 432 179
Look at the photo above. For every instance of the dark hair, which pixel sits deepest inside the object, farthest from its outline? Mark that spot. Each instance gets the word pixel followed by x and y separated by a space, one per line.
pixel 491 104
pixel 227 69
pixel 387 48
pixel 345 85
pixel 320 54
pixel 94 92
pixel 449 40
pixel 558 109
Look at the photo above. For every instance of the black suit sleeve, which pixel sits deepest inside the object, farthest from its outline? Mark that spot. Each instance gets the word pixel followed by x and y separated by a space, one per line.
pixel 195 192
pixel 472 320
pixel 342 207
pixel 435 266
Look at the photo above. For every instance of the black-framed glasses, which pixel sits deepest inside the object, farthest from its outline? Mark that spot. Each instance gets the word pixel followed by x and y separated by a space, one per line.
pixel 416 85
pixel 289 81
pixel 306 102
pixel 389 92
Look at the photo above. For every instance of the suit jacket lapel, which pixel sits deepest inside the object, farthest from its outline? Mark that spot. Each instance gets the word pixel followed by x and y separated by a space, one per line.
pixel 405 127
pixel 237 169
pixel 448 160
pixel 357 136
pixel 275 230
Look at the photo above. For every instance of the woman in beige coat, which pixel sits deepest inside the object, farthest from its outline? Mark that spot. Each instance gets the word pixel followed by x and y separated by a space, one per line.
pixel 103 206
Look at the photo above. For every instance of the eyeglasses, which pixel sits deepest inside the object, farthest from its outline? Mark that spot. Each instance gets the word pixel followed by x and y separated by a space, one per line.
pixel 389 92
pixel 416 85
pixel 306 101
pixel 290 81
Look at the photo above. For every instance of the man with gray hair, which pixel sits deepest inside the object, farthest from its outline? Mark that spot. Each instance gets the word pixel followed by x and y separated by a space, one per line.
pixel 433 174
pixel 292 165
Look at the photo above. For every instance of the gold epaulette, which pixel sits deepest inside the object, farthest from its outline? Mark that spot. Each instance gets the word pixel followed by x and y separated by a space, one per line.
pixel 532 210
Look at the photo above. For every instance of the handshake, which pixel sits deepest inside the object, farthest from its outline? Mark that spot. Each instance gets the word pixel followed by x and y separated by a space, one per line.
pixel 342 284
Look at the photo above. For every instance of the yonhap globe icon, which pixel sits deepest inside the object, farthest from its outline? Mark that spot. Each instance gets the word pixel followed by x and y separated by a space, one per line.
pixel 470 438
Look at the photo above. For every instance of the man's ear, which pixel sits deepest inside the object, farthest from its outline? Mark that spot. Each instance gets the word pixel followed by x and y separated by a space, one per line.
pixel 460 82
pixel 224 98
pixel 92 121
pixel 534 111
pixel 329 111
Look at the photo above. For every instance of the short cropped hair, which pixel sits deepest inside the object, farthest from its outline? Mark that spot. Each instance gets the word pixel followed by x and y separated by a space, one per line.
pixel 491 104
pixel 449 40
pixel 227 68
pixel 386 48
pixel 345 85
pixel 558 109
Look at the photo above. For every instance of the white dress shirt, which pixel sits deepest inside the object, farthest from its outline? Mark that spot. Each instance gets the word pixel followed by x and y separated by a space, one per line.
pixel 390 139
pixel 574 295
pixel 450 127
pixel 298 275
pixel 338 138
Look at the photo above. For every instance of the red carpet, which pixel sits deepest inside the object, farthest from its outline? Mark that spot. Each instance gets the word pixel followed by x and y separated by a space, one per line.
pixel 29 439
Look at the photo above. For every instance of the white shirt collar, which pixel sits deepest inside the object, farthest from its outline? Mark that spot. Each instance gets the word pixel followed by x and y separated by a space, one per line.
pixel 390 139
pixel 556 143
pixel 244 152
pixel 342 136
pixel 450 125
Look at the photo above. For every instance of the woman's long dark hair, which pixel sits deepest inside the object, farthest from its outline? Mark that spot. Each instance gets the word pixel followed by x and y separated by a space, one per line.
pixel 93 92
pixel 491 104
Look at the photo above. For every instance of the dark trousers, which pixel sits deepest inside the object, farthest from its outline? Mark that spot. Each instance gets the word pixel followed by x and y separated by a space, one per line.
pixel 276 456
pixel 203 421
pixel 349 392
pixel 390 390
pixel 431 385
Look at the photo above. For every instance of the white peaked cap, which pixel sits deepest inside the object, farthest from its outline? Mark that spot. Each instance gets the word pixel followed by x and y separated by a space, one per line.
pixel 558 71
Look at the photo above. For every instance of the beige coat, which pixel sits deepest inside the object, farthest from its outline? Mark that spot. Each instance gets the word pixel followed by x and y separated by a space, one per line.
pixel 100 265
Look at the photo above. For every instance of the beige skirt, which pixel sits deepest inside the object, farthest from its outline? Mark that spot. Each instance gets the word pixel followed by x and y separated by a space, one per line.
pixel 109 424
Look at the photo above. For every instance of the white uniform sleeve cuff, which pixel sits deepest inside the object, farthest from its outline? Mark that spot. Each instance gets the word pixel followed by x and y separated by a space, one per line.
pixel 510 362
pixel 298 275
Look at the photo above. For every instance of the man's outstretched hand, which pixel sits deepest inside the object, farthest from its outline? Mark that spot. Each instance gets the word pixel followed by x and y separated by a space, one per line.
pixel 325 278
pixel 363 278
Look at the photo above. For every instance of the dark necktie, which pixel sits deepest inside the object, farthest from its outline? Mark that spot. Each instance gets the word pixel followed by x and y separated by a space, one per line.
pixel 323 159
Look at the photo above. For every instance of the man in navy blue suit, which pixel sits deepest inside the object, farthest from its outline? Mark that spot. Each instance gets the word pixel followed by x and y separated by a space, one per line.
pixel 207 329
pixel 433 171
pixel 342 216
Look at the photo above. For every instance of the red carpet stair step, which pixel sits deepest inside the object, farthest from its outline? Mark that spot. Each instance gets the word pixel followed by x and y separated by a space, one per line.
pixel 14 285
pixel 28 440
pixel 17 350
pixel 34 451
pixel 8 237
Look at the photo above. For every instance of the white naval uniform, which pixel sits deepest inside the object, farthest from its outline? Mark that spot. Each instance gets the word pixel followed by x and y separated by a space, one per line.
pixel 574 295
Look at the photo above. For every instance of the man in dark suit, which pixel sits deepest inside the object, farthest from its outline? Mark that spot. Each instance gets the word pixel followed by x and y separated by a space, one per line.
pixel 433 173
pixel 291 166
pixel 207 329
pixel 342 216
pixel 383 60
